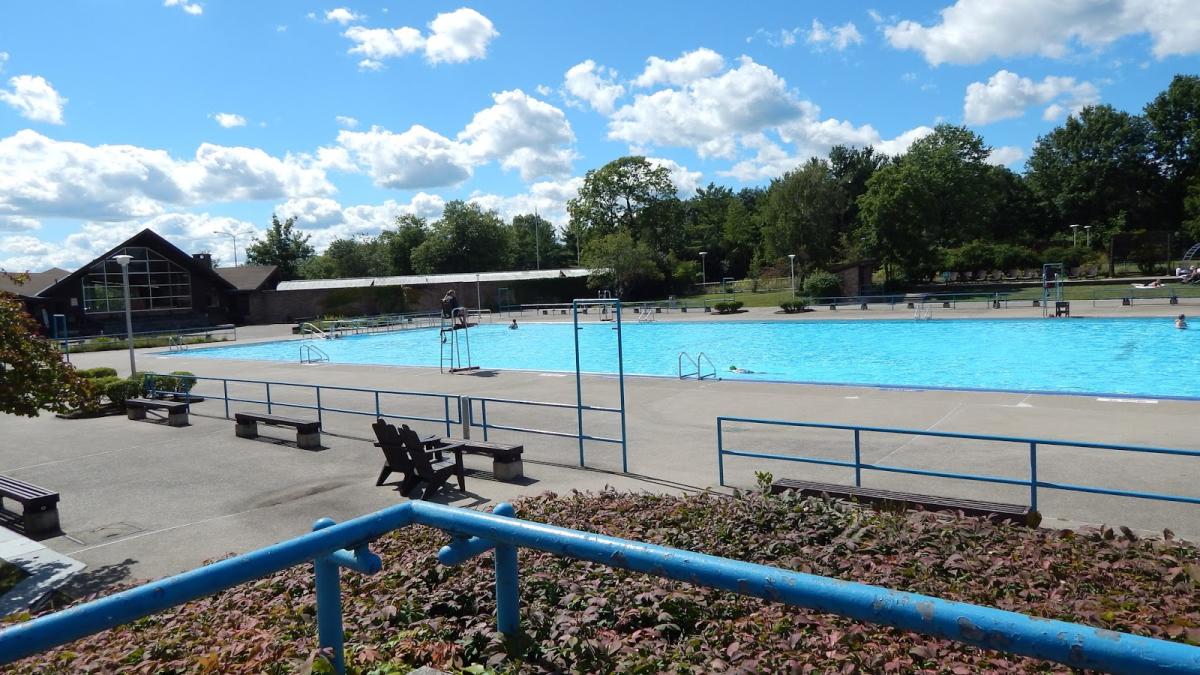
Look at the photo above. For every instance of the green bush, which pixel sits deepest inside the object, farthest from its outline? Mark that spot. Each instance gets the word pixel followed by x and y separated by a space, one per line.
pixel 793 306
pixel 118 390
pixel 180 381
pixel 822 284
pixel 94 373
pixel 727 307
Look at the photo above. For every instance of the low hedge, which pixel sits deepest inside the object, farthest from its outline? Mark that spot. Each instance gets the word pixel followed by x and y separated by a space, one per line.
pixel 94 373
pixel 793 306
pixel 727 307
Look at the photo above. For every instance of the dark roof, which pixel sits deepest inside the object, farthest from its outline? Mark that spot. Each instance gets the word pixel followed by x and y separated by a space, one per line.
pixel 250 277
pixel 150 239
pixel 37 282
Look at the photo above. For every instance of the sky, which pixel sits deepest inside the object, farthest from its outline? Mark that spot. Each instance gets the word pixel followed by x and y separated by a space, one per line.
pixel 201 119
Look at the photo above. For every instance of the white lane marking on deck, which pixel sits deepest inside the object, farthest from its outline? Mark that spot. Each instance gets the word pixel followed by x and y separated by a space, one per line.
pixel 914 438
pixel 1127 400
pixel 850 398
pixel 552 374
pixel 168 529
pixel 1020 404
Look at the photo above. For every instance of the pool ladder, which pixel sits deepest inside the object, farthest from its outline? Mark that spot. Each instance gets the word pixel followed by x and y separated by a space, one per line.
pixel 312 354
pixel 922 313
pixel 695 366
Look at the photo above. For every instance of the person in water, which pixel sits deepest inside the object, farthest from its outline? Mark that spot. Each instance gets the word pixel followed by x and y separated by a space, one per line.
pixel 1181 322
pixel 740 371
pixel 513 325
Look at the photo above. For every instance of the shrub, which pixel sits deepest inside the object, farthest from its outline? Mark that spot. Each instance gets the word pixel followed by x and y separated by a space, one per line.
pixel 94 373
pixel 822 284
pixel 793 306
pixel 727 307
pixel 180 381
pixel 117 390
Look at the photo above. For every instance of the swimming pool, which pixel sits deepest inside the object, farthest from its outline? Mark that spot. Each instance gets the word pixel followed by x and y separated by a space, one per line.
pixel 1146 357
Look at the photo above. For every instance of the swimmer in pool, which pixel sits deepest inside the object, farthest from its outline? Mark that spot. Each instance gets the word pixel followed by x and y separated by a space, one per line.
pixel 1181 322
pixel 740 371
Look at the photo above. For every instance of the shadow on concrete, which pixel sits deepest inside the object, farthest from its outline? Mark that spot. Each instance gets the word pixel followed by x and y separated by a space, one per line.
pixel 99 579
pixel 16 523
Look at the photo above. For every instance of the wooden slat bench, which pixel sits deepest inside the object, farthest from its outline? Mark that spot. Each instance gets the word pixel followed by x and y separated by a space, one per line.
pixel 506 459
pixel 995 511
pixel 177 412
pixel 39 505
pixel 308 432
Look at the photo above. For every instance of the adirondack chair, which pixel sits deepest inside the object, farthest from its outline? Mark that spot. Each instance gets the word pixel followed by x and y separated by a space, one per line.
pixel 435 472
pixel 395 456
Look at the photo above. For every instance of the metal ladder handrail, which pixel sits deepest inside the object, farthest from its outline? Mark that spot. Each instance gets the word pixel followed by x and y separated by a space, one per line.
pixel 309 329
pixel 175 343
pixel 1191 252
pixel 311 349
pixel 679 366
pixel 700 358
pixel 645 315
pixel 922 313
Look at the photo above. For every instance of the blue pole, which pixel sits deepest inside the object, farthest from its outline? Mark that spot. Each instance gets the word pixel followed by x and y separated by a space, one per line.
pixel 483 415
pixel 578 377
pixel 857 460
pixel 329 604
pixel 720 456
pixel 319 419
pixel 508 587
pixel 621 385
pixel 1033 478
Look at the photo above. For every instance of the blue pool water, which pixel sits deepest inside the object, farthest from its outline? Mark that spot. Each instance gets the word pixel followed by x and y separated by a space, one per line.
pixel 1146 357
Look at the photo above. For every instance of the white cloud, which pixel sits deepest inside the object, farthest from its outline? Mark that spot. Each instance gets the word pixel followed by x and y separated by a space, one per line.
pixel 346 122
pixel 838 37
pixel 971 31
pixel 327 220
pixel 685 181
pixel 343 16
pixel 229 120
pixel 782 38
pixel 1006 155
pixel 543 90
pixel 689 67
pixel 547 198
pixel 193 8
pixel 34 99
pixel 19 224
pixel 454 37
pixel 524 133
pixel 42 177
pixel 417 158
pixel 596 85
pixel 3 60
pixel 1007 95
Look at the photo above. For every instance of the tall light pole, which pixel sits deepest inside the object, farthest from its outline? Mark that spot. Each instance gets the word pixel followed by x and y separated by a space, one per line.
pixel 123 261
pixel 1088 230
pixel 478 298
pixel 792 264
pixel 537 253
pixel 703 275
pixel 1074 231
pixel 235 235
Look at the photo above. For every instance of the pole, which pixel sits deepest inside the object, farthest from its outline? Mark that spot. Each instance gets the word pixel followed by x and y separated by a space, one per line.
pixel 478 299
pixel 537 246
pixel 123 261
pixel 792 264
pixel 703 271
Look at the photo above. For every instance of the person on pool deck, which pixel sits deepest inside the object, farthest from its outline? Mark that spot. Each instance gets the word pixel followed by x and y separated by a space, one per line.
pixel 513 325
pixel 1181 322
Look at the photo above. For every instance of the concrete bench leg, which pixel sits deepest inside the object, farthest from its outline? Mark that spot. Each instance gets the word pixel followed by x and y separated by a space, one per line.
pixel 247 430
pixel 508 470
pixel 135 413
pixel 41 522
pixel 308 441
pixel 177 419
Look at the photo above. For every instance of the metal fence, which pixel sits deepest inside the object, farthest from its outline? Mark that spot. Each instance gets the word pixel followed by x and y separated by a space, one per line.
pixel 1032 482
pixel 333 546
pixel 482 421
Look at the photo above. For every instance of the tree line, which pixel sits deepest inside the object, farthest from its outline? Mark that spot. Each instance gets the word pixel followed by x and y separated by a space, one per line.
pixel 939 206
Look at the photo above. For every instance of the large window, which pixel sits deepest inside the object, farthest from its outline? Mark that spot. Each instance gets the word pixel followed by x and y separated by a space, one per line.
pixel 155 283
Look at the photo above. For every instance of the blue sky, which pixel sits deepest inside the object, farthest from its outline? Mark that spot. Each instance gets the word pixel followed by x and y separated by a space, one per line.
pixel 196 117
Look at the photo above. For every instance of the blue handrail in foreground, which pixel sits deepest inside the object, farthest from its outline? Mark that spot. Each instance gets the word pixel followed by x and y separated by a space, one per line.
pixel 1033 482
pixel 332 546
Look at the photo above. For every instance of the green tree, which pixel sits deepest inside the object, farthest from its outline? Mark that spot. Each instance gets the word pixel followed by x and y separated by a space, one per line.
pixel 398 245
pixel 284 247
pixel 629 194
pixel 893 216
pixel 33 376
pixel 465 239
pixel 354 258
pixel 533 243
pixel 802 215
pixel 625 266
pixel 1174 118
pixel 853 167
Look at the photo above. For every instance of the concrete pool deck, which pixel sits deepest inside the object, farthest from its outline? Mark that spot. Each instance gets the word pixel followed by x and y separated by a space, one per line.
pixel 142 500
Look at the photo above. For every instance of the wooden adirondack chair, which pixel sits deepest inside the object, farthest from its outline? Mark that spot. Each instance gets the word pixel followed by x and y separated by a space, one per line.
pixel 434 472
pixel 395 456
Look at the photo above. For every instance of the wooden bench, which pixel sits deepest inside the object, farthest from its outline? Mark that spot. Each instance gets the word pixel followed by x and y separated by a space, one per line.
pixel 177 411
pixel 994 511
pixel 506 459
pixel 308 432
pixel 39 505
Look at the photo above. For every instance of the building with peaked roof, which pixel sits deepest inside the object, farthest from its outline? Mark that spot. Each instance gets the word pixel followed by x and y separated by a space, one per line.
pixel 168 289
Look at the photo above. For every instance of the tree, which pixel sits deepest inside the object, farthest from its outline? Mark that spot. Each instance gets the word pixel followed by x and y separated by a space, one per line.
pixel 398 245
pixel 853 167
pixel 283 247
pixel 33 376
pixel 893 213
pixel 466 239
pixel 625 266
pixel 533 243
pixel 802 215
pixel 628 194
pixel 1174 118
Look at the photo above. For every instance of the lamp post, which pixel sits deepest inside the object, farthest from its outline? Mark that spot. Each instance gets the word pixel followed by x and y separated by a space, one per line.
pixel 703 274
pixel 478 298
pixel 235 235
pixel 792 264
pixel 1074 231
pixel 1088 230
pixel 123 261
pixel 537 245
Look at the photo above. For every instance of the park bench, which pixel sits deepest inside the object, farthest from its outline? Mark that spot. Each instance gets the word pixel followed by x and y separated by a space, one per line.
pixel 1015 513
pixel 39 505
pixel 506 459
pixel 177 411
pixel 308 432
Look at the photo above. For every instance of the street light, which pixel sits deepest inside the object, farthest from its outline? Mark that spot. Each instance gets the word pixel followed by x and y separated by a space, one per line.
pixel 1074 231
pixel 1088 230
pixel 123 261
pixel 792 263
pixel 478 299
pixel 235 235
pixel 703 276
pixel 537 252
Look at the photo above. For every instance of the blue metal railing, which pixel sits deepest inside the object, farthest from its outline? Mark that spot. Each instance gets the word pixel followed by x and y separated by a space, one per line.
pixel 483 423
pixel 450 413
pixel 1032 482
pixel 333 546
